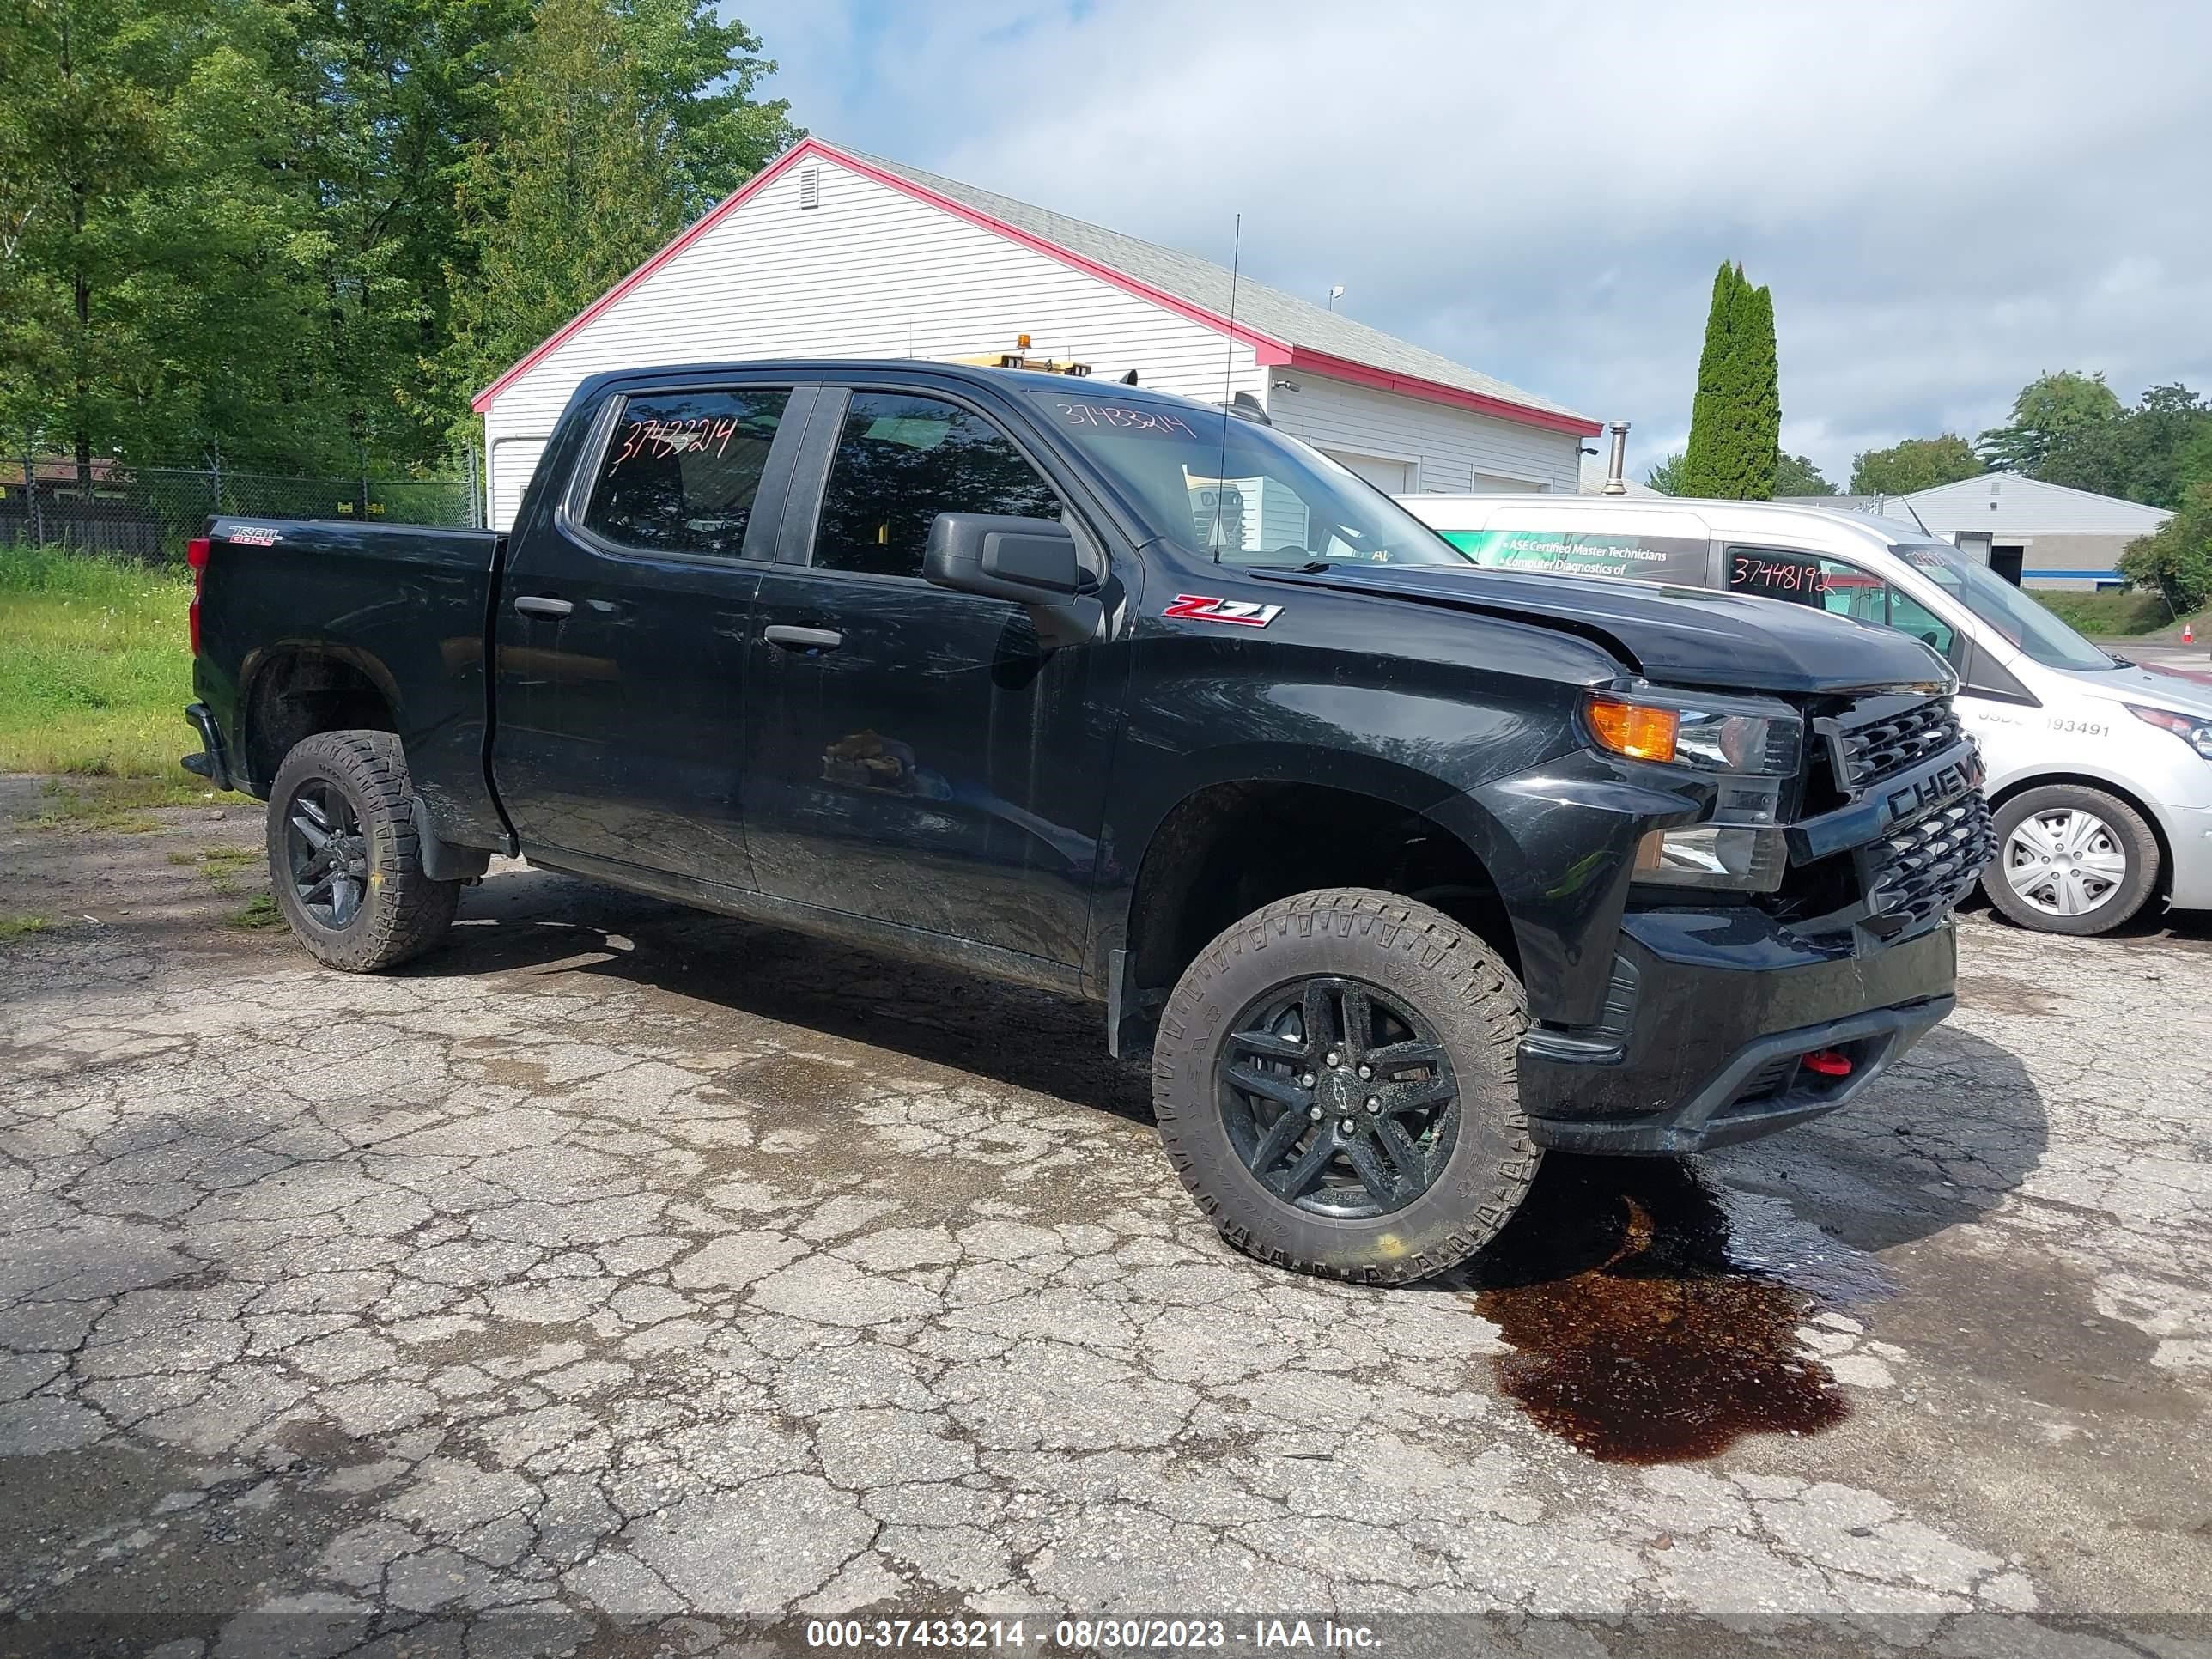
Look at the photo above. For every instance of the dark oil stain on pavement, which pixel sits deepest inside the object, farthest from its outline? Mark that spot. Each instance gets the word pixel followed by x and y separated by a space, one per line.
pixel 1640 1339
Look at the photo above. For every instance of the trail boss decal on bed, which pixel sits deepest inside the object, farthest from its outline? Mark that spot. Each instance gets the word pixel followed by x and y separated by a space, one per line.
pixel 1244 613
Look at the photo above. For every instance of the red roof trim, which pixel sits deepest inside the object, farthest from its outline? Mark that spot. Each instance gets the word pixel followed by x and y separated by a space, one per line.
pixel 1268 351
pixel 1409 385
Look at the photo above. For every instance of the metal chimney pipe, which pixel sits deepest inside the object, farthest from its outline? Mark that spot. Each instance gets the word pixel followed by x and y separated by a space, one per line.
pixel 1614 485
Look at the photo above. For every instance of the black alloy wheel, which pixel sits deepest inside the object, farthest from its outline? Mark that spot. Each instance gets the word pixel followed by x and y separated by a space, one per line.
pixel 1339 1097
pixel 327 852
pixel 345 854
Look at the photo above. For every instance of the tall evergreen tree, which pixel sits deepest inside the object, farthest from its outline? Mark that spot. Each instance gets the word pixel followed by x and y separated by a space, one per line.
pixel 1735 422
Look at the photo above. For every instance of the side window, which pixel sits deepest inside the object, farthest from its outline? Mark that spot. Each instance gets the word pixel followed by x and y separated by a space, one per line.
pixel 1915 618
pixel 683 467
pixel 1773 572
pixel 1848 591
pixel 901 461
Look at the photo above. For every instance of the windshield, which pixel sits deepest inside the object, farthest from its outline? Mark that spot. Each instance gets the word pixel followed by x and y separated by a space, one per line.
pixel 1238 491
pixel 2023 621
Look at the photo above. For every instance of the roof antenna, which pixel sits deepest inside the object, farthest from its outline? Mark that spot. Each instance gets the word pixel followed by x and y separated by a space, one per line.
pixel 1228 374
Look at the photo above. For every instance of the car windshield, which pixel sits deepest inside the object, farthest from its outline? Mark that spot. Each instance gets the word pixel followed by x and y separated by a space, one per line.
pixel 1238 491
pixel 2023 621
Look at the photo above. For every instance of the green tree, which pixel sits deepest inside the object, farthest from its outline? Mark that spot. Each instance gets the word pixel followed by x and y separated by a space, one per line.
pixel 2148 453
pixel 2051 409
pixel 1796 475
pixel 2177 556
pixel 1915 464
pixel 389 100
pixel 617 126
pixel 1735 422
pixel 1665 476
pixel 88 127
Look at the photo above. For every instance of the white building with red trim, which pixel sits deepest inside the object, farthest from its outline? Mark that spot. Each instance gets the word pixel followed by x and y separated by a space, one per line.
pixel 830 253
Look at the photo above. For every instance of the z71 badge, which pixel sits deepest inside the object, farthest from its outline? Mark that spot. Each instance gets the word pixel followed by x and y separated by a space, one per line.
pixel 1243 613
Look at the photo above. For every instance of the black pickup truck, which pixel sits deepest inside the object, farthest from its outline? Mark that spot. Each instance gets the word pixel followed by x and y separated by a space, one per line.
pixel 1401 871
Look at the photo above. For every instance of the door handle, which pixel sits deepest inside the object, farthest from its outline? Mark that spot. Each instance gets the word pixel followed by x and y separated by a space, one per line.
pixel 537 605
pixel 802 639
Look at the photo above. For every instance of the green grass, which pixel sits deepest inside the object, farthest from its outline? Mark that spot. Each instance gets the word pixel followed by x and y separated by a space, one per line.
pixel 260 911
pixel 95 669
pixel 15 927
pixel 118 803
pixel 2126 614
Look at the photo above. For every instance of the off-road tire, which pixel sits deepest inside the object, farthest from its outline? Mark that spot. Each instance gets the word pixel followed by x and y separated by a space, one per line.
pixel 1418 955
pixel 402 913
pixel 2137 842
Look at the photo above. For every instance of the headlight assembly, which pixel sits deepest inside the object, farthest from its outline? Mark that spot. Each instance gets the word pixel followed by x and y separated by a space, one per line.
pixel 1717 734
pixel 2191 729
pixel 1752 749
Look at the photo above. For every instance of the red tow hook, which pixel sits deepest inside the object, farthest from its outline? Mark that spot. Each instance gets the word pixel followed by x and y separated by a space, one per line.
pixel 1827 1062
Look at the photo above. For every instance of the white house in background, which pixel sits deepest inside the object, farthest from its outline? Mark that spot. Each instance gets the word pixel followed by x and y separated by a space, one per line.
pixel 2036 534
pixel 830 253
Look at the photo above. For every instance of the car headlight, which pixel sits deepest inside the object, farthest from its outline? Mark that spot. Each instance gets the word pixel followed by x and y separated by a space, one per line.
pixel 1752 747
pixel 2193 730
pixel 1714 734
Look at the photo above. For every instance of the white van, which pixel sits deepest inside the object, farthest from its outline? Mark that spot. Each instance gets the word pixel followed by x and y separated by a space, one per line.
pixel 2100 772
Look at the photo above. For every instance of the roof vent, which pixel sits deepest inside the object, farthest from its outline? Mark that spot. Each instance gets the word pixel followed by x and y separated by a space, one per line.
pixel 810 187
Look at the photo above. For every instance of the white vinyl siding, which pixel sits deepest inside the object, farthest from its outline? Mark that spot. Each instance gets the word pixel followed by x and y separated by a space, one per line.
pixel 1391 475
pixel 1450 446
pixel 870 272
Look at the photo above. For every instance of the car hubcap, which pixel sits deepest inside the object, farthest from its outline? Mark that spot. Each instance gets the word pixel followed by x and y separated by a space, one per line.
pixel 328 852
pixel 2065 862
pixel 1339 1098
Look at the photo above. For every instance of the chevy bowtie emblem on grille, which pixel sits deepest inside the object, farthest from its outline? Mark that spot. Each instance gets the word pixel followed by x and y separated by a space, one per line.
pixel 1244 613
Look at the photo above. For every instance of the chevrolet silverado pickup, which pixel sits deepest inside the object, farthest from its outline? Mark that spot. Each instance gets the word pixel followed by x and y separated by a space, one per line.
pixel 1401 871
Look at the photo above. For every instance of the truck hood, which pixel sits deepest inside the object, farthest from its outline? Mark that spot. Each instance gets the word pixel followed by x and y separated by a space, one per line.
pixel 1671 635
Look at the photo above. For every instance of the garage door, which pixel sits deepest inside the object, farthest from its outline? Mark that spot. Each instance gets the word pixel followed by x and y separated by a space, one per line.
pixel 1392 478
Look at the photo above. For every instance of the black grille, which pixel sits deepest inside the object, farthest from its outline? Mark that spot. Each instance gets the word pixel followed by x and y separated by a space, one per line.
pixel 1768 1082
pixel 1929 865
pixel 1884 747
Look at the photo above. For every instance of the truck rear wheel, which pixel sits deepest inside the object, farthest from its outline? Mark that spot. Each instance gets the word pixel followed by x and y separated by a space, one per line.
pixel 344 861
pixel 1335 1083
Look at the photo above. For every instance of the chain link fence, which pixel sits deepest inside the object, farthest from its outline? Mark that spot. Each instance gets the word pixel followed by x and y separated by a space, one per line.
pixel 149 512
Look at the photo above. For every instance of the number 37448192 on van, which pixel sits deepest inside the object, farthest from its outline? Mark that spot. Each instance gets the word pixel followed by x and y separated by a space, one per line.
pixel 2100 771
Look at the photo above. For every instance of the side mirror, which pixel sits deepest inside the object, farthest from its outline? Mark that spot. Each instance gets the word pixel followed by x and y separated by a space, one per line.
pixel 1030 561
pixel 1027 560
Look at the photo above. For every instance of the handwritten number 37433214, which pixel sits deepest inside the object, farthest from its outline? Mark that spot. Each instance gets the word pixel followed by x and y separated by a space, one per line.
pixel 661 439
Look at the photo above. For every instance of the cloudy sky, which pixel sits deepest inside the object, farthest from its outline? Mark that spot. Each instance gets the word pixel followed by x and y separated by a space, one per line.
pixel 1945 199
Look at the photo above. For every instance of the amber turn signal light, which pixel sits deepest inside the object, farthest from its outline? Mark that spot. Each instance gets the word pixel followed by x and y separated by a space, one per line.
pixel 1633 729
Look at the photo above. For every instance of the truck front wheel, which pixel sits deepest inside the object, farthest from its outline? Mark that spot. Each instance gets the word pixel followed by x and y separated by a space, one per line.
pixel 1334 1082
pixel 343 860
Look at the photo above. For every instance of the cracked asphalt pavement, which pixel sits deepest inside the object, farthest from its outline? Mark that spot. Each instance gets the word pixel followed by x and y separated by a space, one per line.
pixel 620 1269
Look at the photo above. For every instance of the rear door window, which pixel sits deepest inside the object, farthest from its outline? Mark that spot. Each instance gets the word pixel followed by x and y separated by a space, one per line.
pixel 683 469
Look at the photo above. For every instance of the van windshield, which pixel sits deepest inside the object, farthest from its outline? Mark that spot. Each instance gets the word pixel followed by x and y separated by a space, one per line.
pixel 1236 491
pixel 2023 621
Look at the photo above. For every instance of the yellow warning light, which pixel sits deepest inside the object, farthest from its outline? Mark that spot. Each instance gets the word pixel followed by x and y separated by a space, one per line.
pixel 1023 341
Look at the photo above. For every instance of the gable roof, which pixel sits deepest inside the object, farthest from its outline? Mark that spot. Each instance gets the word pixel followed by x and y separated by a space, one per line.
pixel 1282 328
pixel 2008 503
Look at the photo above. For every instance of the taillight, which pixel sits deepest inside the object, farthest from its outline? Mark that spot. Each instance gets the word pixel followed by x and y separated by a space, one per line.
pixel 196 556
